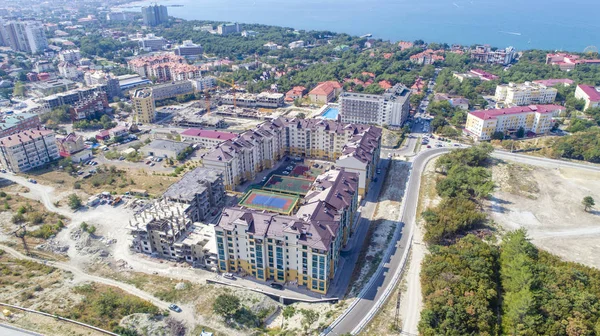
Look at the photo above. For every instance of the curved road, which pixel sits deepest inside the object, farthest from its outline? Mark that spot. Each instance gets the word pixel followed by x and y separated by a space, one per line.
pixel 364 308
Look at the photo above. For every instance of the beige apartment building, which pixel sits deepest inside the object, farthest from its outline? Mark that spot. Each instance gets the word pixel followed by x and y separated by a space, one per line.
pixel 353 146
pixel 538 119
pixel 144 109
pixel 527 93
pixel 303 249
pixel 28 149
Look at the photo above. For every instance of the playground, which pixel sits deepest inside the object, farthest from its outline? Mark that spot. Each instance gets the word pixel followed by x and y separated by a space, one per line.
pixel 270 201
pixel 287 184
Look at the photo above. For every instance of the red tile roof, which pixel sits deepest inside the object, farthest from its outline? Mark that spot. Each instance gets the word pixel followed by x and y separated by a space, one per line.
pixel 209 134
pixel 385 84
pixel 325 88
pixel 591 92
pixel 492 114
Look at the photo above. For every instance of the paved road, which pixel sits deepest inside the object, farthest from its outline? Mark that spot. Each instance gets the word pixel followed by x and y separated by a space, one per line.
pixel 360 313
pixel 7 330
pixel 384 276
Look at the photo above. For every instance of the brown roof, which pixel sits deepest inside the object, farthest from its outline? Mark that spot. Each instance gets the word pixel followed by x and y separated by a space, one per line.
pixel 25 136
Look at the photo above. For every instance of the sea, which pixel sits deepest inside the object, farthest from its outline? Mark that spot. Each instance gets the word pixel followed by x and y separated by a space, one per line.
pixel 525 24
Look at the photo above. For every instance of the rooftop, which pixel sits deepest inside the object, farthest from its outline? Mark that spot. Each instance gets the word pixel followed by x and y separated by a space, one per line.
pixel 325 88
pixel 553 82
pixel 209 134
pixel 492 114
pixel 170 145
pixel 13 120
pixel 192 183
pixel 18 138
pixel 591 92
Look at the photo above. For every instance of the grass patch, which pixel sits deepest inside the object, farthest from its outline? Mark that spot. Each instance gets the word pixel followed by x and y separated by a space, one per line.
pixel 105 306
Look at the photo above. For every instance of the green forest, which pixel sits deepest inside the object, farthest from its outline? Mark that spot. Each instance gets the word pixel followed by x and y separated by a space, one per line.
pixel 477 282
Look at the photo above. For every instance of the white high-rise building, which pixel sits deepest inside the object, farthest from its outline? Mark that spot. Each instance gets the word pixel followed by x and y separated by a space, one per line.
pixel 26 36
pixel 391 108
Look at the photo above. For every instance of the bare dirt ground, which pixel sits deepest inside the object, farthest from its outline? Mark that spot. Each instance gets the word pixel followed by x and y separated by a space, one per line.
pixel 390 138
pixel 547 202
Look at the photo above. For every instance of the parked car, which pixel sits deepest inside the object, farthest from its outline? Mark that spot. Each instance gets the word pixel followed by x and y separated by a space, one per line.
pixel 277 285
pixel 378 171
pixel 152 164
pixel 3 171
pixel 175 308
pixel 228 276
pixel 286 173
pixel 428 146
pixel 33 181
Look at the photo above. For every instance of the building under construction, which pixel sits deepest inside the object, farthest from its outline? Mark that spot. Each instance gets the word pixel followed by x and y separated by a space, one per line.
pixel 170 228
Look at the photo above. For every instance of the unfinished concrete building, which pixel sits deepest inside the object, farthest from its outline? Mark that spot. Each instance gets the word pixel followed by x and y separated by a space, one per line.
pixel 202 189
pixel 163 230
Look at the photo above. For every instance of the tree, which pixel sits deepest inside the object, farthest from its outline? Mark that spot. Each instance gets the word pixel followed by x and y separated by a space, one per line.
pixel 309 317
pixel 520 132
pixel 226 305
pixel 588 202
pixel 287 313
pixel 301 115
pixel 498 135
pixel 74 201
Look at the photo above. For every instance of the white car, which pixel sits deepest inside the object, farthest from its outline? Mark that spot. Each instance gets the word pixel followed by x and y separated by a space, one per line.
pixel 228 276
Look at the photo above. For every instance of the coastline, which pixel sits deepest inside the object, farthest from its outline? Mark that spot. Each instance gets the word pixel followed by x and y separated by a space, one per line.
pixel 397 21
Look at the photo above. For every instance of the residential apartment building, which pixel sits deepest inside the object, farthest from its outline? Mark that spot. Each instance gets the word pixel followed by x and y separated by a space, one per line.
pixel 113 87
pixel 164 67
pixel 70 97
pixel 325 92
pixel 189 49
pixel 527 93
pixel 475 74
pixel 228 28
pixel 555 82
pixel 200 188
pixel 590 94
pixel 537 119
pixel 352 146
pixel 14 123
pixel 297 92
pixel 206 138
pixel 97 102
pixel 28 149
pixel 568 62
pixel 391 108
pixel 68 70
pixel 26 36
pixel 155 15
pixel 171 90
pixel 144 109
pixel 203 83
pixel 72 55
pixel 302 249
pixel 152 42
pixel 485 54
pixel 427 57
